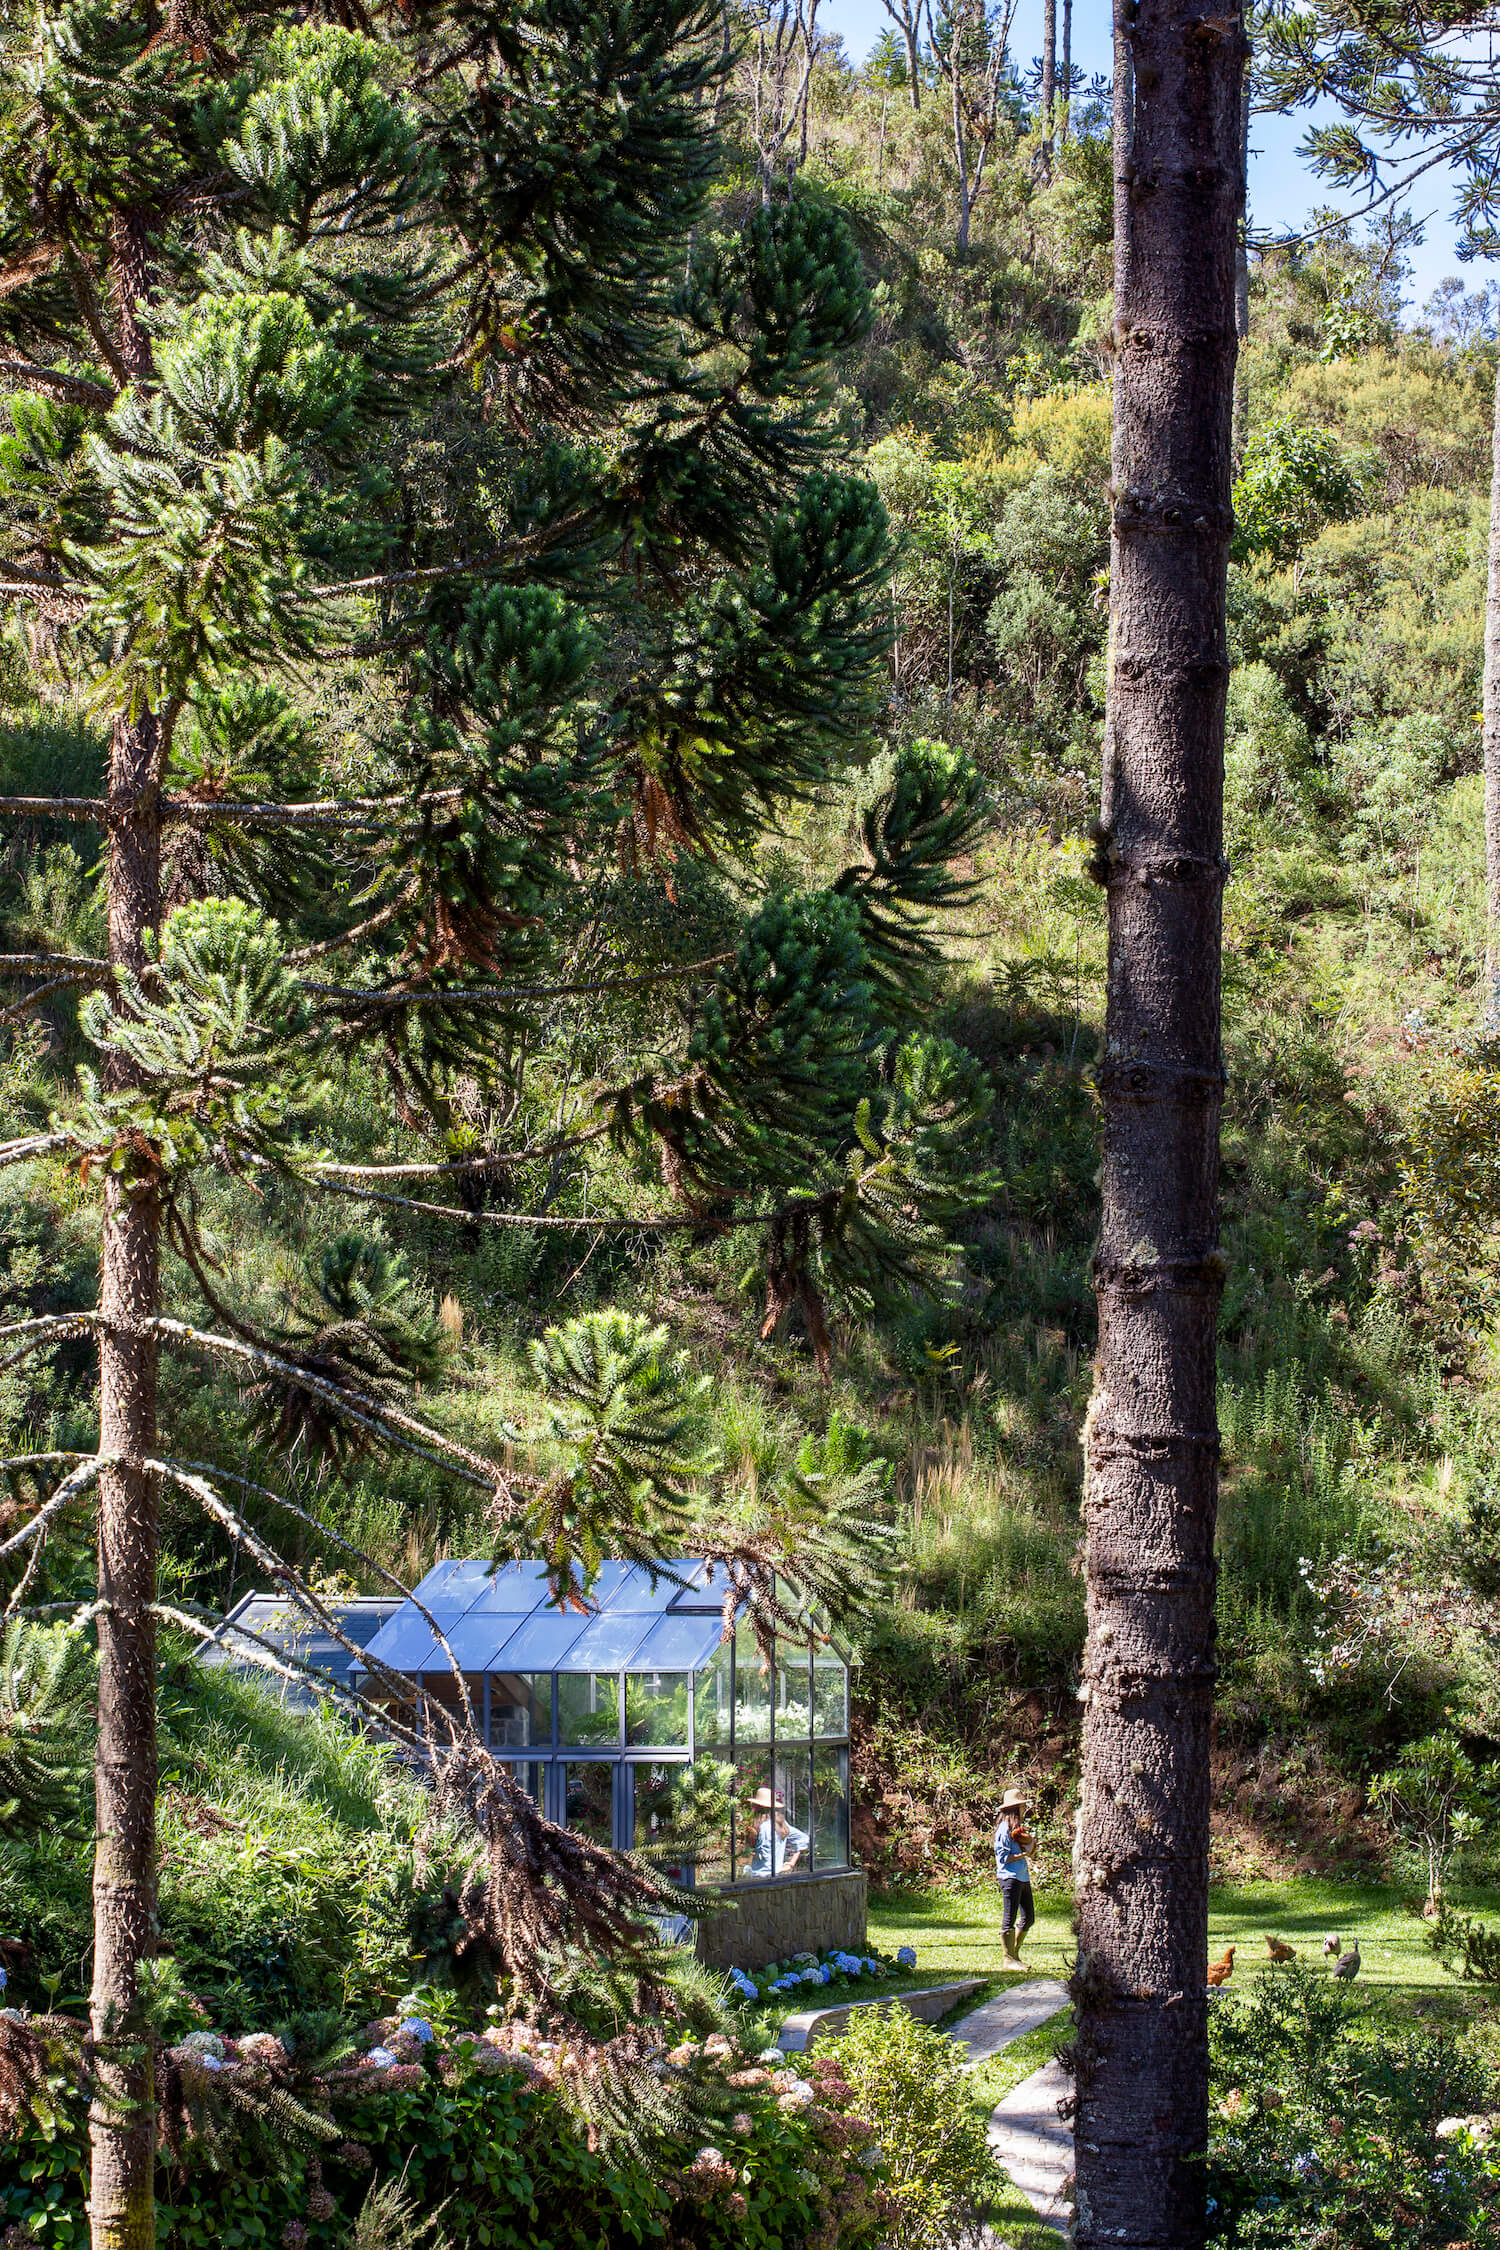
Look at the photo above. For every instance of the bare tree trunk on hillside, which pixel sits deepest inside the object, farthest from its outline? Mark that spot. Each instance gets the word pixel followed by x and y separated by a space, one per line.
pixel 1492 742
pixel 907 16
pixel 1067 68
pixel 1151 1441
pixel 1242 286
pixel 1049 84
pixel 122 2121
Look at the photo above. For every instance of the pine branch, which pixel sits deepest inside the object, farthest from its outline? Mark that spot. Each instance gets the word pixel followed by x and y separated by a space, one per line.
pixel 208 1624
pixel 34 999
pixel 300 1594
pixel 29 964
pixel 94 809
pixel 53 382
pixel 53 1328
pixel 78 1480
pixel 385 1422
pixel 34 1145
pixel 378 921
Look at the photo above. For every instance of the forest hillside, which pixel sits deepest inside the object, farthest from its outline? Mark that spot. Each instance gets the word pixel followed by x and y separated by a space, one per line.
pixel 1359 1389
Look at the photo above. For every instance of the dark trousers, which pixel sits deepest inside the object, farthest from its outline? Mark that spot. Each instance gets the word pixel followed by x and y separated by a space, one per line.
pixel 1019 1910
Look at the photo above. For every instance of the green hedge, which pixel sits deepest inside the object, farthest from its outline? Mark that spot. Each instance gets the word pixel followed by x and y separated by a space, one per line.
pixel 466 2129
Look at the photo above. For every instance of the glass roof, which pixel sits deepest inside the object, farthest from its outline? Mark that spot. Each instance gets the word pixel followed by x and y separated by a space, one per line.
pixel 685 1642
pixel 490 1613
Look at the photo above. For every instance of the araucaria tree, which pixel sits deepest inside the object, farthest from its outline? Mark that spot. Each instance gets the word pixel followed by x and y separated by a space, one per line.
pixel 1152 1446
pixel 388 355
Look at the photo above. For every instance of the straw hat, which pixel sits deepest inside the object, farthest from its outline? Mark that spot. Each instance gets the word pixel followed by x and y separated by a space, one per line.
pixel 1014 1800
pixel 765 1802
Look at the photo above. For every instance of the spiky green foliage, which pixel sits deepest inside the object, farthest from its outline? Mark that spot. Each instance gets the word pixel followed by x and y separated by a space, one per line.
pixel 358 1324
pixel 214 1034
pixel 46 1684
pixel 626 1410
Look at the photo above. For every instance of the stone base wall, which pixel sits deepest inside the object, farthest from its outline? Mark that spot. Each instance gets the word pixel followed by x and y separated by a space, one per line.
pixel 786 1915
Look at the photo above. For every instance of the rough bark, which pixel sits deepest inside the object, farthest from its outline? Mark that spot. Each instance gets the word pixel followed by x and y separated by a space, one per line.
pixel 1492 742
pixel 122 2121
pixel 1152 1442
pixel 1049 83
pixel 1067 69
pixel 907 16
pixel 1242 286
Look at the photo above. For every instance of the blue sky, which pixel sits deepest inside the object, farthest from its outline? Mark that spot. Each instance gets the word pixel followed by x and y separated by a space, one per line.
pixel 1282 190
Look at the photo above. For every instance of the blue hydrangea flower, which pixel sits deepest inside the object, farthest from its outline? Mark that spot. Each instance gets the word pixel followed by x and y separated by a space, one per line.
pixel 417 2027
pixel 907 1956
pixel 381 2057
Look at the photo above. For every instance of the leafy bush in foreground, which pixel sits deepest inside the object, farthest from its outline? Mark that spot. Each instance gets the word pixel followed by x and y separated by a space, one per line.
pixel 1325 2127
pixel 940 2175
pixel 265 2150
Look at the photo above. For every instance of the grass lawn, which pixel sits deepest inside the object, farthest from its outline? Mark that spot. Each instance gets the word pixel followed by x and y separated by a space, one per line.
pixel 958 1933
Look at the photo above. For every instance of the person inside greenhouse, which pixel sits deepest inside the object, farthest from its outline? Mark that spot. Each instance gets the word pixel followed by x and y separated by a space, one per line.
pixel 778 1845
pixel 1013 1874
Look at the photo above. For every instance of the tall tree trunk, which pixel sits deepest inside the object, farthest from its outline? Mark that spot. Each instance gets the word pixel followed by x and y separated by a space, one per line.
pixel 1152 1442
pixel 1492 742
pixel 122 2125
pixel 1242 286
pixel 1067 69
pixel 1049 83
pixel 122 2121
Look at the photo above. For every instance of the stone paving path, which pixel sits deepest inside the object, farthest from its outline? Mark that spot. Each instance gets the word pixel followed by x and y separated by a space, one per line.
pixel 1028 2137
pixel 1034 2145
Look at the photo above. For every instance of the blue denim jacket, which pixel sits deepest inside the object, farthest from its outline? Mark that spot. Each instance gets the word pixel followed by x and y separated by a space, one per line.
pixel 1011 1865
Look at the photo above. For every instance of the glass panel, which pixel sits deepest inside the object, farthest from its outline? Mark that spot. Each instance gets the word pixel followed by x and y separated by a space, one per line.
pixel 588 1707
pixel 520 1709
pixel 541 1643
pixel 793 1809
pixel 752 1690
pixel 635 1591
pixel 442 1690
pixel 791 1690
pixel 449 1587
pixel 477 1639
pixel 752 1780
pixel 656 1708
pixel 711 1717
pixel 514 1591
pixel 405 1640
pixel 529 1776
pixel 589 1800
pixel 830 1692
pixel 609 1640
pixel 830 1806
pixel 680 1643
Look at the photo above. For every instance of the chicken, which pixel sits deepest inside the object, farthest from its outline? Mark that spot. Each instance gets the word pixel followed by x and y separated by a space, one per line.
pixel 1347 1969
pixel 1279 1950
pixel 1220 1971
pixel 1333 1946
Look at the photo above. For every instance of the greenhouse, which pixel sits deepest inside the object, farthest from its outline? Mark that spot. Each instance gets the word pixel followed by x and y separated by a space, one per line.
pixel 600 1712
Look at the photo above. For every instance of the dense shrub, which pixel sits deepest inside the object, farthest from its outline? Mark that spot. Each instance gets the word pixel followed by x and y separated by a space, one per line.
pixel 1325 2126
pixel 939 2172
pixel 258 2155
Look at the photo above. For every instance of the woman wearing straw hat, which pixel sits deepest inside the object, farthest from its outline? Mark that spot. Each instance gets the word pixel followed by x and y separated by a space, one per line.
pixel 778 1845
pixel 1013 1874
